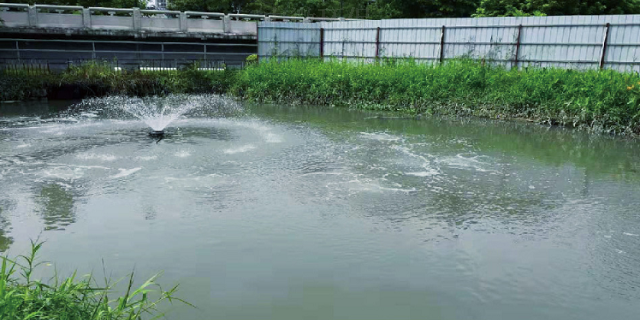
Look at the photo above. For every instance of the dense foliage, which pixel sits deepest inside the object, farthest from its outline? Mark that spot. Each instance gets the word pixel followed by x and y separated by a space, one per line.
pixel 75 298
pixel 498 8
pixel 414 8
pixel 382 9
pixel 88 3
pixel 599 100
pixel 97 79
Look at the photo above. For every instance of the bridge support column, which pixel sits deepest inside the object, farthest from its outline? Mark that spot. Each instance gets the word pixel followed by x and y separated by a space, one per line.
pixel 183 22
pixel 33 16
pixel 137 19
pixel 226 24
pixel 86 18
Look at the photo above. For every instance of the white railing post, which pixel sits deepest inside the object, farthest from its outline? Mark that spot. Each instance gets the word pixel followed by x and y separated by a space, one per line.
pixel 33 16
pixel 137 19
pixel 184 27
pixel 86 18
pixel 267 19
pixel 306 20
pixel 226 24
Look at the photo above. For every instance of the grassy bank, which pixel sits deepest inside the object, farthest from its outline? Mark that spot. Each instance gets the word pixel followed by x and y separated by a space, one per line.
pixel 597 100
pixel 96 79
pixel 600 101
pixel 74 298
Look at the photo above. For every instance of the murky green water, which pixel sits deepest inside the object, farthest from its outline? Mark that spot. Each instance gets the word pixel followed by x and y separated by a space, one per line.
pixel 316 213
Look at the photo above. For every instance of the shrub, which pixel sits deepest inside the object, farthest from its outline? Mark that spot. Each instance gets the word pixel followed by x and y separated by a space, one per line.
pixel 73 298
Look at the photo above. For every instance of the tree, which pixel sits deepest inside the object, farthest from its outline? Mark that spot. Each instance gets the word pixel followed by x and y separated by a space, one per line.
pixel 498 8
pixel 88 3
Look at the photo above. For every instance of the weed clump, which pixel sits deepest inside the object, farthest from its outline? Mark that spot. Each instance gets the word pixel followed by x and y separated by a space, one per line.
pixel 74 298
pixel 604 101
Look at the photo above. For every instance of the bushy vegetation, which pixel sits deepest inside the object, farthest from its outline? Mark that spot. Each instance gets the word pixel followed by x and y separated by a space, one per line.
pixel 602 101
pixel 381 9
pixel 599 100
pixel 385 9
pixel 75 298
pixel 98 79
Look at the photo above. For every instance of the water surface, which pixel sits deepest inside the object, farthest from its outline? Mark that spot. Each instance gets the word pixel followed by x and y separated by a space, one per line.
pixel 320 213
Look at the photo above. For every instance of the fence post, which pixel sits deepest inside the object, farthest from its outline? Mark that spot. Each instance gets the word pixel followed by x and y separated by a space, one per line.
pixel 604 45
pixel 322 44
pixel 515 62
pixel 33 16
pixel 86 18
pixel 442 44
pixel 258 42
pixel 137 19
pixel 183 22
pixel 377 43
pixel 226 24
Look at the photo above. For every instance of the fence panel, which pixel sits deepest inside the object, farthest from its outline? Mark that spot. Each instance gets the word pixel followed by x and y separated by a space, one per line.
pixel 576 42
pixel 288 39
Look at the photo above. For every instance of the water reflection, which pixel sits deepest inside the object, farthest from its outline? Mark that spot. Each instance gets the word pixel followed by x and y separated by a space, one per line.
pixel 5 239
pixel 6 205
pixel 56 206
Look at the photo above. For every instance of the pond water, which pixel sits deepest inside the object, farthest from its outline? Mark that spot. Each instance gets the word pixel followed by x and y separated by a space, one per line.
pixel 283 212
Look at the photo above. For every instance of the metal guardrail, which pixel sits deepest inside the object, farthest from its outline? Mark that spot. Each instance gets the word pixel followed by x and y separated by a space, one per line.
pixel 135 19
pixel 166 54
pixel 45 67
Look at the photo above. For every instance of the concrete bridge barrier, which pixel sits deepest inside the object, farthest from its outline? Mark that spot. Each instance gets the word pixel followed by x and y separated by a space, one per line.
pixel 135 19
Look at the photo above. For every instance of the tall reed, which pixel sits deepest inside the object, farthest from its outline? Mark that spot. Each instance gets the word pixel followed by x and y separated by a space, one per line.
pixel 75 298
pixel 598 100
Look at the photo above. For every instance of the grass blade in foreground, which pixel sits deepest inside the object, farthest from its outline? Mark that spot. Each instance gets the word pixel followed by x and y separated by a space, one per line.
pixel 22 297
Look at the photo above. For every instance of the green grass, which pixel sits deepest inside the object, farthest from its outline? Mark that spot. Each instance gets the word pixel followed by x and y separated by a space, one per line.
pixel 75 298
pixel 598 100
pixel 98 79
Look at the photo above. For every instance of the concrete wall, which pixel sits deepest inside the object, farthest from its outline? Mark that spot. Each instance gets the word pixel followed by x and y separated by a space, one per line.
pixel 76 17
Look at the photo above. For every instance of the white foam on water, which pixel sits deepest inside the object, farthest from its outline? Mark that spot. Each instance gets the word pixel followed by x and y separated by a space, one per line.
pixel 423 174
pixel 79 166
pixel 64 173
pixel 265 131
pixel 239 149
pixel 462 162
pixel 631 234
pixel 93 156
pixel 271 137
pixel 26 145
pixel 125 172
pixel 182 154
pixel 380 136
pixel 426 163
pixel 146 158
pixel 89 115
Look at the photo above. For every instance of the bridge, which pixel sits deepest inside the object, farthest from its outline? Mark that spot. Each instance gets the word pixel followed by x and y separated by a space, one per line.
pixel 132 38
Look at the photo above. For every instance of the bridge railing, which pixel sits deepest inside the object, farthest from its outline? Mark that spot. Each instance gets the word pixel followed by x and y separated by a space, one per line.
pixel 135 19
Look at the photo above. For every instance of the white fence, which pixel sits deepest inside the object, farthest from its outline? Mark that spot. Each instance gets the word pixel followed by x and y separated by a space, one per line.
pixel 76 17
pixel 577 42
